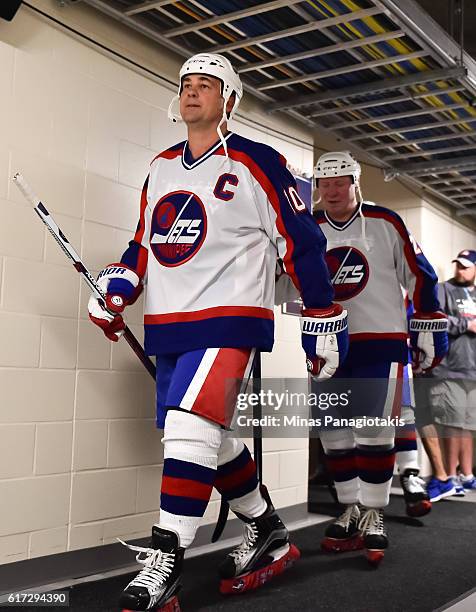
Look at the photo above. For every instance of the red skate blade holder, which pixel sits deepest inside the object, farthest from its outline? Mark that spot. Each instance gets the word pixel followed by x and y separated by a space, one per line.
pixel 375 557
pixel 253 580
pixel 172 605
pixel 335 545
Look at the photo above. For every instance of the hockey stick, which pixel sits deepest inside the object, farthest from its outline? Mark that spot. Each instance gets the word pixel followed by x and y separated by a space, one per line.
pixel 63 242
pixel 257 446
pixel 257 414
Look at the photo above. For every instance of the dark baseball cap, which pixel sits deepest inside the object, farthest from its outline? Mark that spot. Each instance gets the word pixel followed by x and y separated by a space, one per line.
pixel 466 258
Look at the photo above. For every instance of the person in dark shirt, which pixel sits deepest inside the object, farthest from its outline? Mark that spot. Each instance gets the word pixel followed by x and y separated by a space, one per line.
pixel 453 395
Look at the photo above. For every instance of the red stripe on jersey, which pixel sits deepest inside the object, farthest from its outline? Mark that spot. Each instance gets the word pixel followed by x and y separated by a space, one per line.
pixel 218 393
pixel 407 249
pixel 143 205
pixel 168 154
pixel 210 313
pixel 273 198
pixel 142 261
pixel 377 336
pixel 230 481
pixel 183 487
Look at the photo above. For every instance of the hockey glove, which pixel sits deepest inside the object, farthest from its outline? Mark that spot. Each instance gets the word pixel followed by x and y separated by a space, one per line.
pixel 325 339
pixel 428 340
pixel 122 287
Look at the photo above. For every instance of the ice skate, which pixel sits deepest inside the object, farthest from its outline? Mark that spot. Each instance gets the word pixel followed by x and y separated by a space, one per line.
pixel 155 587
pixel 343 534
pixel 374 534
pixel 416 498
pixel 264 553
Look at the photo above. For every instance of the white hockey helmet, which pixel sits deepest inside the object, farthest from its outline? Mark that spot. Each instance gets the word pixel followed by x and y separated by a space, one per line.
pixel 337 163
pixel 215 65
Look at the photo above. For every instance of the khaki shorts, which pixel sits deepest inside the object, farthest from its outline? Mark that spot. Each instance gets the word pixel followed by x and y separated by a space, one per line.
pixel 453 403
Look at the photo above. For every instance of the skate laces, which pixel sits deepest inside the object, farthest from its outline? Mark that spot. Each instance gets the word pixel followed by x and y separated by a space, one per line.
pixel 414 484
pixel 158 565
pixel 250 537
pixel 346 517
pixel 372 522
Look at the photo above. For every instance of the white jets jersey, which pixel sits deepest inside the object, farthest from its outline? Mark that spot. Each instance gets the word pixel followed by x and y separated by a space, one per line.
pixel 370 258
pixel 207 241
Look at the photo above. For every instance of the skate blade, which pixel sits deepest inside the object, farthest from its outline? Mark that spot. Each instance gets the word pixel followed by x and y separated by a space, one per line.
pixel 374 557
pixel 420 509
pixel 172 605
pixel 356 542
pixel 253 580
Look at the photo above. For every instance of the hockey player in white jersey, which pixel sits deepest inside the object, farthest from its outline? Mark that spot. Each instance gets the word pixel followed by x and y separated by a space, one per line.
pixel 215 212
pixel 371 256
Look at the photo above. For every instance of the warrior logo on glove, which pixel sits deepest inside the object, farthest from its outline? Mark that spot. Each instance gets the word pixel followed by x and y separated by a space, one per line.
pixel 324 339
pixel 428 340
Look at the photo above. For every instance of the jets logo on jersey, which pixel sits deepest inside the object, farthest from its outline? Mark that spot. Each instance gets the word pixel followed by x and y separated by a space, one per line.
pixel 178 228
pixel 349 271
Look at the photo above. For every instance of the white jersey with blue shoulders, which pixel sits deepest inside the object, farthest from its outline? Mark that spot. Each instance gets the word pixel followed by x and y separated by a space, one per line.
pixel 209 233
pixel 371 257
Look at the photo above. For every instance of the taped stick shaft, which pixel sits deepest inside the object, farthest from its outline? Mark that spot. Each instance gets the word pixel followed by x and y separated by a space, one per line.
pixel 69 251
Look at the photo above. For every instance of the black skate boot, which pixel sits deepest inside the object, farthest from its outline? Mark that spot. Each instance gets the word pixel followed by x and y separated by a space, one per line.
pixel 155 587
pixel 374 534
pixel 344 533
pixel 416 498
pixel 264 553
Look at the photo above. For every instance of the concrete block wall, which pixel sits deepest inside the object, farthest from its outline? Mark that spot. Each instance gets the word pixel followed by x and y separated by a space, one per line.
pixel 80 457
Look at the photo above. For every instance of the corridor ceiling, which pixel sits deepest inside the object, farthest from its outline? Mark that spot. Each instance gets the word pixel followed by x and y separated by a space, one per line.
pixel 380 75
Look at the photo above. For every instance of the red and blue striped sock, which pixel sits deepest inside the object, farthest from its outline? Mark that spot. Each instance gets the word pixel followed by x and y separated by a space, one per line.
pixel 375 467
pixel 237 481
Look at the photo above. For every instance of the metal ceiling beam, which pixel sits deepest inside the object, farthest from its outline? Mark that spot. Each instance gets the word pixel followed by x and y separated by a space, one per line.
pixel 436 166
pixel 263 7
pixel 146 6
pixel 444 181
pixel 357 52
pixel 417 141
pixel 138 25
pixel 459 187
pixel 434 172
pixel 413 128
pixel 425 31
pixel 423 153
pixel 470 212
pixel 317 24
pixel 409 97
pixel 413 113
pixel 317 76
pixel 340 46
pixel 374 87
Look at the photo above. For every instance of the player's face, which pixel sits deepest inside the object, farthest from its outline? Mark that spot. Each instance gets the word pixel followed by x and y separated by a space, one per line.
pixel 201 102
pixel 464 275
pixel 338 195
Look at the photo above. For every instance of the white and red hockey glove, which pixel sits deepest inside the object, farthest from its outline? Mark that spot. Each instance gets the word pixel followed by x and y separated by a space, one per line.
pixel 325 339
pixel 428 340
pixel 122 287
